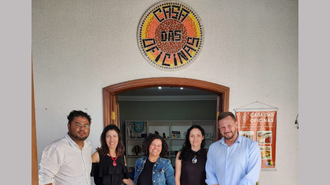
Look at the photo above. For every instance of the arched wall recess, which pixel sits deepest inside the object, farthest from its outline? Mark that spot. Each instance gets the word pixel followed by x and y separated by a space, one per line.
pixel 110 106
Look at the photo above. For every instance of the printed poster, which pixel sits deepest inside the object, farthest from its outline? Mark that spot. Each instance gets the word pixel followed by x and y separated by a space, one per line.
pixel 261 127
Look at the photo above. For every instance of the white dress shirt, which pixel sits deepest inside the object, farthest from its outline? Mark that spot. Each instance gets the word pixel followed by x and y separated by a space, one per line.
pixel 63 163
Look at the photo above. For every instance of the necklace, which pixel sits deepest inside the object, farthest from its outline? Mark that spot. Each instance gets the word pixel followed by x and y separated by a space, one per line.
pixel 114 160
pixel 194 160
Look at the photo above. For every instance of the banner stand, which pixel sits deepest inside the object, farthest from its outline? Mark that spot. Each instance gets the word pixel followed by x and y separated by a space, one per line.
pixel 259 124
pixel 268 107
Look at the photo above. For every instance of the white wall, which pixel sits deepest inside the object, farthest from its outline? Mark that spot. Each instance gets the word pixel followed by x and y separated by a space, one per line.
pixel 81 46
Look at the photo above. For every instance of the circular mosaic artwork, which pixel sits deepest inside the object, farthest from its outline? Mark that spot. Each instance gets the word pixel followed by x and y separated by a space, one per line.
pixel 170 35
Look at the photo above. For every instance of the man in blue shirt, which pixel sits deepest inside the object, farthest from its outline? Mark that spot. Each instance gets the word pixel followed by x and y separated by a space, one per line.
pixel 233 160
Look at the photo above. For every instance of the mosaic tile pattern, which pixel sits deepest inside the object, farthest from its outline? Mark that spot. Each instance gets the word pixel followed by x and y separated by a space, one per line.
pixel 170 35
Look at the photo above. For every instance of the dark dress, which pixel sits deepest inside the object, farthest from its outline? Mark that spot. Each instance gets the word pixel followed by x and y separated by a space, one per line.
pixel 194 174
pixel 105 173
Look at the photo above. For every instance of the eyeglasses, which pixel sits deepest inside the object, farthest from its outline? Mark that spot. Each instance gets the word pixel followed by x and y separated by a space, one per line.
pixel 81 126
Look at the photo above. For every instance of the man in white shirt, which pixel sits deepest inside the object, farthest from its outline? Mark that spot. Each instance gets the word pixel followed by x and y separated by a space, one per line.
pixel 68 160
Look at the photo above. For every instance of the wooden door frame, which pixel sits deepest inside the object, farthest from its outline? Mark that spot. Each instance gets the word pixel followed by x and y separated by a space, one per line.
pixel 34 152
pixel 109 93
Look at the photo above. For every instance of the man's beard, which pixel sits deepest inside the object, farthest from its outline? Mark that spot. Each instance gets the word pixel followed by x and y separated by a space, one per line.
pixel 232 136
pixel 77 137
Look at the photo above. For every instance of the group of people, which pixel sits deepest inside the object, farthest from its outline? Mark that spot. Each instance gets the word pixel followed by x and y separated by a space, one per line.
pixel 233 160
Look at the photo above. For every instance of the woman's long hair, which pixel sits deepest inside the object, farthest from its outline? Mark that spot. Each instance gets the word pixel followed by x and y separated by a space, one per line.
pixel 186 147
pixel 104 149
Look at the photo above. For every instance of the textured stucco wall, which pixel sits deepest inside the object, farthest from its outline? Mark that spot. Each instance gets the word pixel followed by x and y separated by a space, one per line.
pixel 79 47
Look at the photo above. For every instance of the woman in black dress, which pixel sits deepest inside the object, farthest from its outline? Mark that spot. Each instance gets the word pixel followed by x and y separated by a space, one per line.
pixel 190 160
pixel 109 163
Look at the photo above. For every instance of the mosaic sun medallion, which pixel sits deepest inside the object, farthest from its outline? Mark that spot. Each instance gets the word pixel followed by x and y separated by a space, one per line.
pixel 170 35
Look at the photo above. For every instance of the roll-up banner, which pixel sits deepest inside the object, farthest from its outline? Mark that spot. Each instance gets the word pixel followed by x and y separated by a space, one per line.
pixel 260 125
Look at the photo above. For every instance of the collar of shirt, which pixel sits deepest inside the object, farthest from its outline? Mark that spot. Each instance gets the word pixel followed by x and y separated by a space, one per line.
pixel 72 143
pixel 238 140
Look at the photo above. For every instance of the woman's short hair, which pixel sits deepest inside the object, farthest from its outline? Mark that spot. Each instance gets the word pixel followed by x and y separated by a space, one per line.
pixel 148 140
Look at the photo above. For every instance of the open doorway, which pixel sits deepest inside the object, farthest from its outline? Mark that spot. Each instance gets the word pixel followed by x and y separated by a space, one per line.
pixel 110 94
pixel 166 103
pixel 168 111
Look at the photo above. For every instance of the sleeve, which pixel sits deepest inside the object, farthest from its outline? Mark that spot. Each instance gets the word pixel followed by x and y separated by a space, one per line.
pixel 169 174
pixel 50 164
pixel 134 174
pixel 254 166
pixel 211 177
pixel 95 173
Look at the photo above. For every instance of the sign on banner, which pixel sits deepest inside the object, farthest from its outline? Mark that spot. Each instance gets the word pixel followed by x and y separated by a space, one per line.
pixel 261 127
